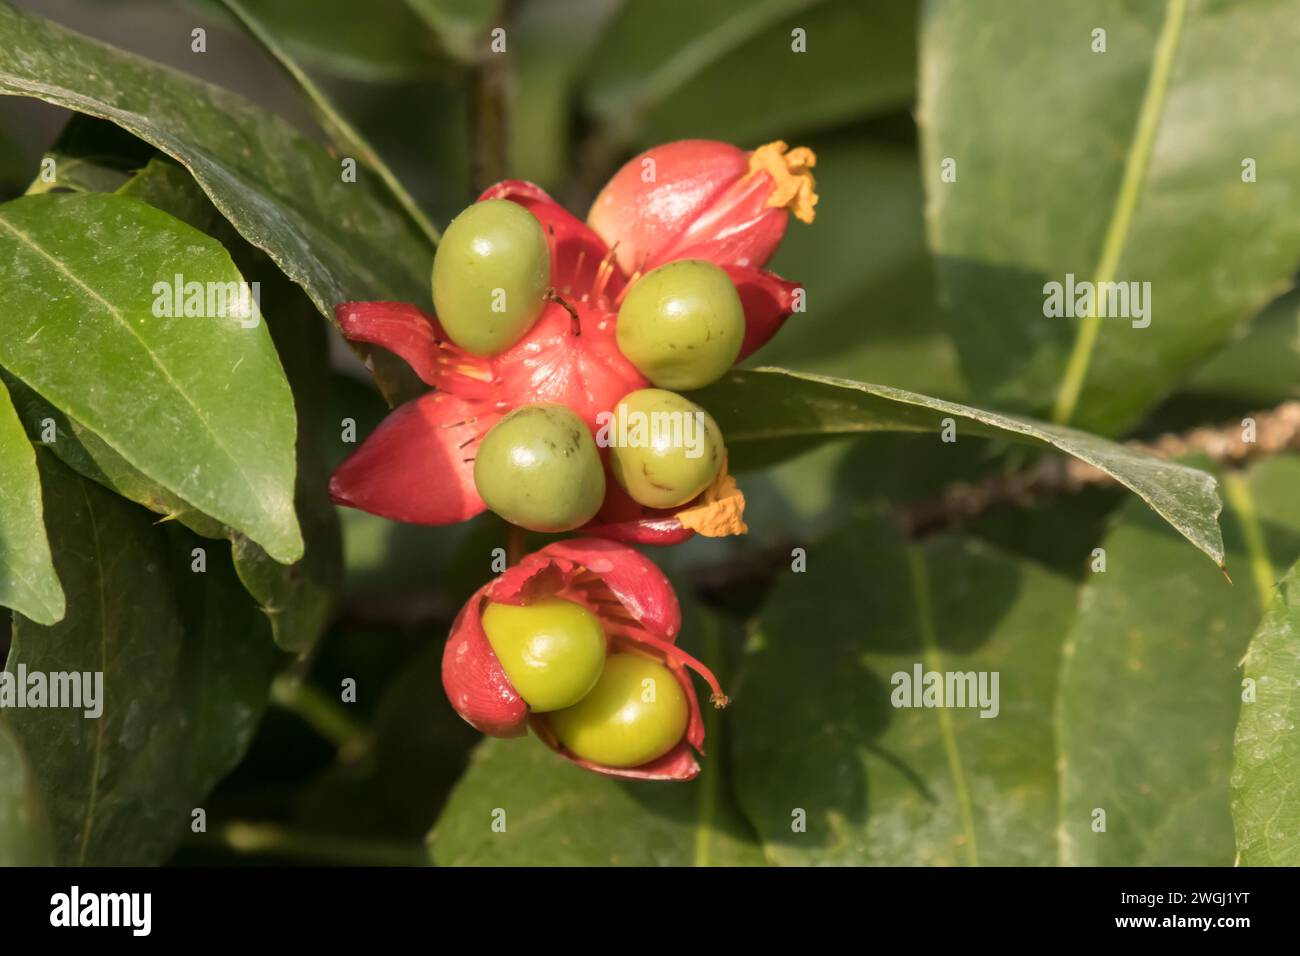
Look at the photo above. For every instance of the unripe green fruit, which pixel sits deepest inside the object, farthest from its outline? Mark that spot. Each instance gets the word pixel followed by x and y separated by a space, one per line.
pixel 663 449
pixel 636 712
pixel 552 651
pixel 682 324
pixel 491 270
pixel 539 468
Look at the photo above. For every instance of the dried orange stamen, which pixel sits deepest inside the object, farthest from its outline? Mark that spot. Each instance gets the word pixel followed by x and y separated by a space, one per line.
pixel 721 510
pixel 791 172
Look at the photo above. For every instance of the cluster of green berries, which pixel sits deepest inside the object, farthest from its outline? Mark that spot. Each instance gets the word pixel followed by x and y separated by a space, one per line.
pixel 618 710
pixel 681 326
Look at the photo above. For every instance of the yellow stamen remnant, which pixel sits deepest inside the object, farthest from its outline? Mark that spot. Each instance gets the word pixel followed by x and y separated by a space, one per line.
pixel 721 510
pixel 791 170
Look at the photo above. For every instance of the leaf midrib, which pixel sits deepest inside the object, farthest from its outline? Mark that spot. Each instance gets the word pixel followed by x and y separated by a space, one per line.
pixel 1135 167
pixel 35 246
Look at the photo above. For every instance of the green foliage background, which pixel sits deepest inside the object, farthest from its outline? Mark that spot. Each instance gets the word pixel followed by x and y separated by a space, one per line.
pixel 1154 690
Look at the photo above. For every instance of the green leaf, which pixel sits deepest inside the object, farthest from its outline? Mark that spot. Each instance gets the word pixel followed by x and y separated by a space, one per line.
pixel 89 456
pixel 298 598
pixel 284 194
pixel 199 405
pixel 1266 752
pixel 186 663
pixel 794 406
pixel 871 312
pixel 830 772
pixel 24 829
pixel 1150 686
pixel 28 583
pixel 1122 166
pixel 559 815
pixel 727 69
pixel 461 25
pixel 166 186
pixel 859 60
pixel 379 41
pixel 344 135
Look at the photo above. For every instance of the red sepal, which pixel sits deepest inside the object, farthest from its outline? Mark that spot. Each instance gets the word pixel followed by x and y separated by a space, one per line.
pixel 418 465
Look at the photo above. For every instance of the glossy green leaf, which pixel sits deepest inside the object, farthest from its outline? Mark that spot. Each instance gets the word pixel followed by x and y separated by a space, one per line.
pixel 82 332
pixel 831 771
pixel 344 135
pixel 298 598
pixel 27 580
pixel 1151 685
pixel 89 142
pixel 285 194
pixel 377 41
pixel 24 829
pixel 186 662
pixel 768 405
pixel 556 814
pixel 1118 166
pixel 461 25
pixel 91 457
pixel 1266 752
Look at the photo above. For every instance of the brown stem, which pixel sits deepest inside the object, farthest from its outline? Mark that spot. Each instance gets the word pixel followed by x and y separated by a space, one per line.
pixel 490 132
pixel 516 544
pixel 552 296
pixel 1276 430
